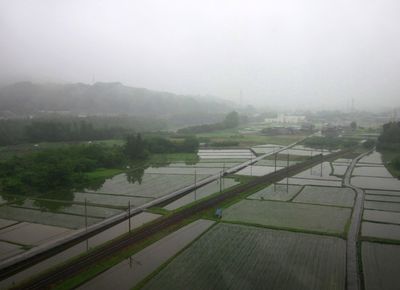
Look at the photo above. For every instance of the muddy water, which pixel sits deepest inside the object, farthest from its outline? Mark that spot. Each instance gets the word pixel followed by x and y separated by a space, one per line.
pixel 320 171
pixel 381 264
pixel 374 171
pixel 107 199
pixel 374 158
pixel 383 192
pixel 32 234
pixel 255 170
pixel 202 192
pixel 5 223
pixel 383 231
pixel 376 183
pixel 80 248
pixel 387 198
pixel 225 153
pixel 339 169
pixel 277 192
pixel 379 205
pixel 130 272
pixel 382 216
pixel 8 250
pixel 271 162
pixel 306 181
pixel 184 170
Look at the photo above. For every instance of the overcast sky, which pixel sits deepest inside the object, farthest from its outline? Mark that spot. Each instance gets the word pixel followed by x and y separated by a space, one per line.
pixel 300 53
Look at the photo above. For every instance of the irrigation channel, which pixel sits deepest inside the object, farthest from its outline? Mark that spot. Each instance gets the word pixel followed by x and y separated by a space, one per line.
pixel 68 270
pixel 352 263
pixel 25 260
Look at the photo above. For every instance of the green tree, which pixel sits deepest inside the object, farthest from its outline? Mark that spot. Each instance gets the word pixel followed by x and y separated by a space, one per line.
pixel 231 120
pixel 135 147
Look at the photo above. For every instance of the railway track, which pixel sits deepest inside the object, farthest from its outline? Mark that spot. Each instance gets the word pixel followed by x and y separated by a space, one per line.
pixel 49 279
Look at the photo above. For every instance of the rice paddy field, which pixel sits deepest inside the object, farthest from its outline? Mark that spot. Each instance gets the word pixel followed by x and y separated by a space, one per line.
pixel 66 212
pixel 151 185
pixel 81 248
pixel 381 215
pixel 244 257
pixel 380 231
pixel 381 264
pixel 202 192
pixel 336 196
pixel 277 192
pixel 321 171
pixel 379 183
pixel 225 154
pixel 267 148
pixel 256 170
pixel 288 235
pixel 129 272
pixel 310 181
pixel 271 162
pixel 339 169
pixel 287 215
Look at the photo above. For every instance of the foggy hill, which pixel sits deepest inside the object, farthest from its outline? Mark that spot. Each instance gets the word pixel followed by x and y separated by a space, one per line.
pixel 26 98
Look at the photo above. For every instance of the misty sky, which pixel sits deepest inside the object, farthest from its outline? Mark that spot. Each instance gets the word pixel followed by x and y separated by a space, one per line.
pixel 300 53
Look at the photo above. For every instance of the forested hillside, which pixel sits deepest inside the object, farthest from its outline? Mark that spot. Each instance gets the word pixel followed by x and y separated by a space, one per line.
pixel 100 99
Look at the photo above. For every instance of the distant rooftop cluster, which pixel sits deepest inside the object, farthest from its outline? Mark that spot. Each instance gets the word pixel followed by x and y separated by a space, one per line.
pixel 285 119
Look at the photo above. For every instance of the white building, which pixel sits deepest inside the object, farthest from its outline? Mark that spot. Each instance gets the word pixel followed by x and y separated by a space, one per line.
pixel 286 119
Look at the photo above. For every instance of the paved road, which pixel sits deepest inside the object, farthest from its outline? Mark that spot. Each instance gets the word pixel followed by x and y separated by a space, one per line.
pixel 352 263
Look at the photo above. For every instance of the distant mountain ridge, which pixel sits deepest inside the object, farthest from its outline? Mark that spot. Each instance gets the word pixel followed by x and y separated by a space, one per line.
pixel 27 98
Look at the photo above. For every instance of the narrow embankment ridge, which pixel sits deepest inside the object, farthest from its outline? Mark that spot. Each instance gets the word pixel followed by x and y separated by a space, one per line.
pixel 352 263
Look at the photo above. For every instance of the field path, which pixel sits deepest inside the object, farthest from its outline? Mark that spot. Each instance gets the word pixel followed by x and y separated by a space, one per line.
pixel 352 263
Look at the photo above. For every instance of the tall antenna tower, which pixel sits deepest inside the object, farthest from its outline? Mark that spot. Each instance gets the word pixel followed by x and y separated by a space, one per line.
pixel 241 98
pixel 352 105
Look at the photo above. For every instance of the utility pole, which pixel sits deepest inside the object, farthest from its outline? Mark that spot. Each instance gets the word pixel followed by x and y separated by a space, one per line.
pixel 311 153
pixel 223 173
pixel 86 221
pixel 220 182
pixel 129 215
pixel 86 225
pixel 251 164
pixel 276 155
pixel 322 157
pixel 287 174
pixel 195 186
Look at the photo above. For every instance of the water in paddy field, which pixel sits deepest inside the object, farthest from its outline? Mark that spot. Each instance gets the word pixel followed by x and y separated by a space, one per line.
pixel 105 236
pixel 202 192
pixel 373 171
pixel 320 171
pixel 255 170
pixel 131 271
pixel 370 173
pixel 267 148
pixel 225 154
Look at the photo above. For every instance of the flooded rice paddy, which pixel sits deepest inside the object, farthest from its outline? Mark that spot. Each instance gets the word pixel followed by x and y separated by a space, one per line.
pixel 336 196
pixel 255 170
pixel 277 192
pixel 202 192
pixel 131 271
pixel 380 266
pixel 81 248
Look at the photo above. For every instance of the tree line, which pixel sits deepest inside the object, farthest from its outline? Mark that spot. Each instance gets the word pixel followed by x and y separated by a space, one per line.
pixel 59 129
pixel 389 138
pixel 67 168
pixel 231 121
